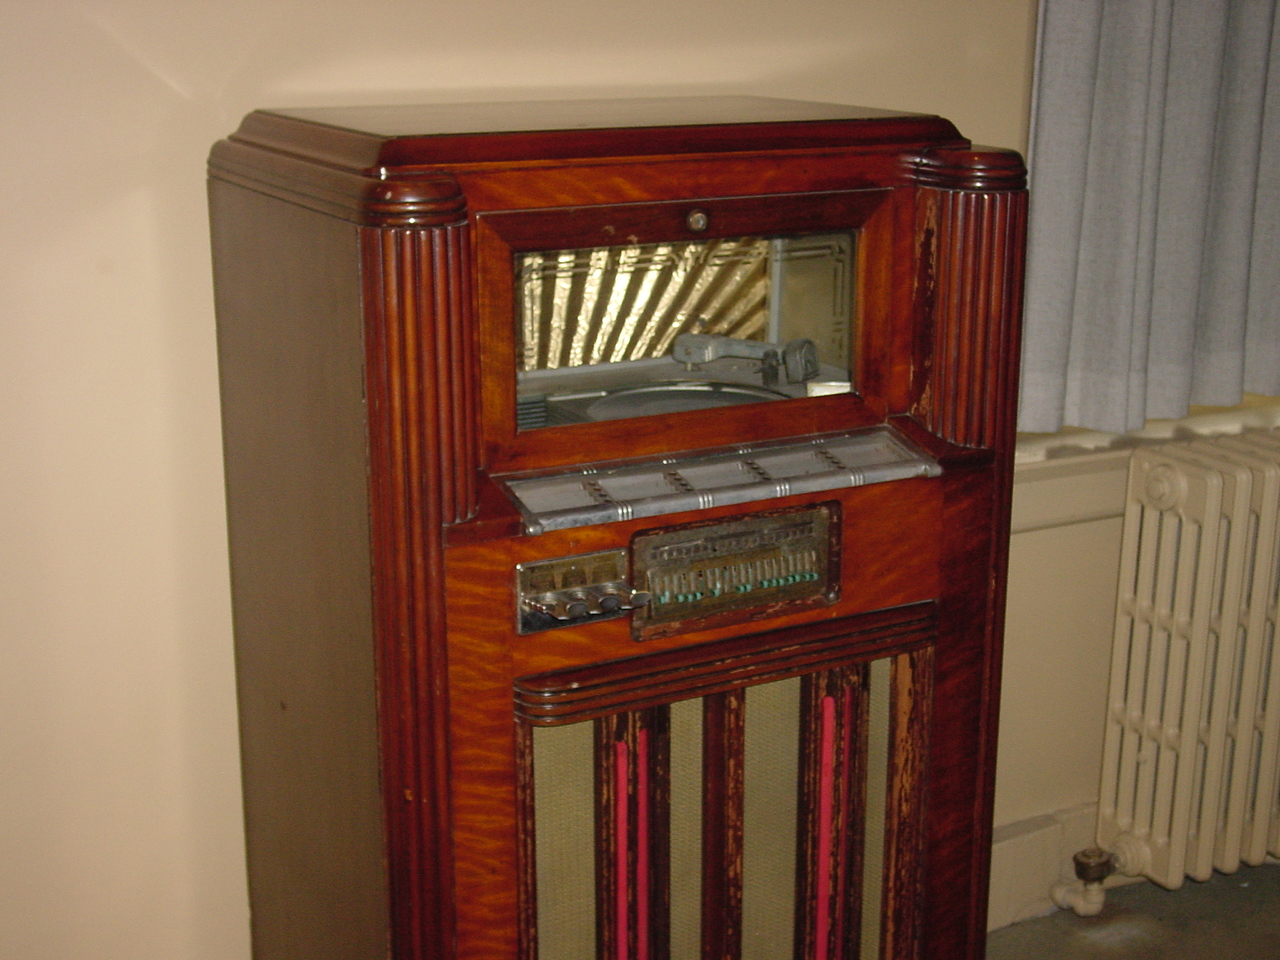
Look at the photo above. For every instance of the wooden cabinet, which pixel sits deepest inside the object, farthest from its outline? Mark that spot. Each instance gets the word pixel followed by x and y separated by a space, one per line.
pixel 618 499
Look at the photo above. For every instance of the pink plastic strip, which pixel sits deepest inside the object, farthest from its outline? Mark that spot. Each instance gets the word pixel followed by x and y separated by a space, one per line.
pixel 642 845
pixel 621 772
pixel 826 800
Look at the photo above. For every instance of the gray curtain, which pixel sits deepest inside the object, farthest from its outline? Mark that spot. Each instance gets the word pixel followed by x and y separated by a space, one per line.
pixel 1153 276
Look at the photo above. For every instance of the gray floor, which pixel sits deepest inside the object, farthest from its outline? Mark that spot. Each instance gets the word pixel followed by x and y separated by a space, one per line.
pixel 1235 917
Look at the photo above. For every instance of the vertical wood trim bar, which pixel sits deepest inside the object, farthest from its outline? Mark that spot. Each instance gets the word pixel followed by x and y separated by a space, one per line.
pixel 971 224
pixel 655 814
pixel 417 328
pixel 608 731
pixel 722 809
pixel 911 693
pixel 826 816
pixel 457 371
pixel 833 777
pixel 632 834
pixel 526 844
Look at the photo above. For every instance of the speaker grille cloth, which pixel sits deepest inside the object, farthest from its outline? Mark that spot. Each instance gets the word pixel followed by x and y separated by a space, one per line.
pixel 564 809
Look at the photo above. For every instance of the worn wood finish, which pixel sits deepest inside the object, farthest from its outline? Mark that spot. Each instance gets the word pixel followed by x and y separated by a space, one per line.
pixel 833 781
pixel 526 849
pixel 959 724
pixel 906 828
pixel 831 829
pixel 373 547
pixel 975 301
pixel 632 850
pixel 657 814
pixel 722 731
pixel 421 408
pixel 699 670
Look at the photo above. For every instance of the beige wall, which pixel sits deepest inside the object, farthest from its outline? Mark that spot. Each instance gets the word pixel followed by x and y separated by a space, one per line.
pixel 1064 563
pixel 119 795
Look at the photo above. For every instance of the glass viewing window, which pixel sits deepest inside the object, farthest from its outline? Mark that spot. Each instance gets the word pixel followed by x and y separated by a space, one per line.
pixel 635 330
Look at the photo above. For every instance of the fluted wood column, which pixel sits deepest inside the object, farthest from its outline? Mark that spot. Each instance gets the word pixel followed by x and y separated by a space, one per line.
pixel 972 218
pixel 421 396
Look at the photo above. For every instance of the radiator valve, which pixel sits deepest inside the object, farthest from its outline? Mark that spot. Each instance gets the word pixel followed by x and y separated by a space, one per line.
pixel 1086 896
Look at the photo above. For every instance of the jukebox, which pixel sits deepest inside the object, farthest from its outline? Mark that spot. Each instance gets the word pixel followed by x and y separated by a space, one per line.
pixel 617 500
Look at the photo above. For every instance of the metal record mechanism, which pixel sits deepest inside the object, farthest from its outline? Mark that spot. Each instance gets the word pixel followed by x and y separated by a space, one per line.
pixel 635 330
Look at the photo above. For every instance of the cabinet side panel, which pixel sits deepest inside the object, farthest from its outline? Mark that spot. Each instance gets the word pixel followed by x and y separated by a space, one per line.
pixel 290 341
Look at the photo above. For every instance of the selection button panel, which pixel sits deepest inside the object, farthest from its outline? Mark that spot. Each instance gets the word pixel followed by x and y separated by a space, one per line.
pixel 734 570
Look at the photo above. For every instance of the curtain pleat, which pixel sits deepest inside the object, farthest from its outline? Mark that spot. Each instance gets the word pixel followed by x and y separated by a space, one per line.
pixel 1152 263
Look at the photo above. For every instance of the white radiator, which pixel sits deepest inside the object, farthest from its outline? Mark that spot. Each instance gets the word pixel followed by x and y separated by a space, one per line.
pixel 1191 762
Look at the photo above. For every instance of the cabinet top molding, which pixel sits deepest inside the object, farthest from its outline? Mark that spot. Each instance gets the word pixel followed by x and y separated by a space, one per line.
pixel 452 133
pixel 395 165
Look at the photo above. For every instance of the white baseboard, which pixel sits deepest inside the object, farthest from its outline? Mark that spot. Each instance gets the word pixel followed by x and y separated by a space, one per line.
pixel 1028 857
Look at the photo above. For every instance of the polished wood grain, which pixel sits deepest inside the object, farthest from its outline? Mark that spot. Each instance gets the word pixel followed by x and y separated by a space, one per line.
pixel 381 242
pixel 698 670
pixel 378 137
pixel 656 922
pixel 911 800
pixel 582 219
pixel 483 785
pixel 526 846
pixel 421 409
pixel 971 292
pixel 895 564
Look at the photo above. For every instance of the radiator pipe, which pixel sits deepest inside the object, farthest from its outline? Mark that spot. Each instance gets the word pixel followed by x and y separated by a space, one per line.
pixel 1085 896
pixel 1093 865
